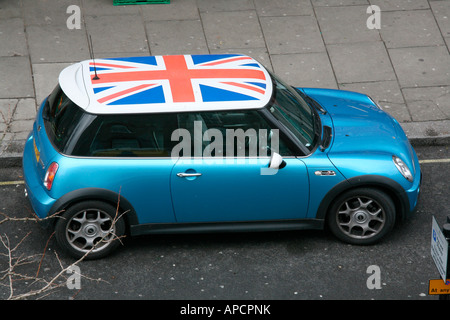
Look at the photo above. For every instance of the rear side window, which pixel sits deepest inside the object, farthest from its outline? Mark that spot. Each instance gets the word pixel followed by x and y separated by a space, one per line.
pixel 127 135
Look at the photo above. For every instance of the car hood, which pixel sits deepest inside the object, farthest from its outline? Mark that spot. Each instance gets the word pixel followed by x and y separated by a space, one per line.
pixel 360 126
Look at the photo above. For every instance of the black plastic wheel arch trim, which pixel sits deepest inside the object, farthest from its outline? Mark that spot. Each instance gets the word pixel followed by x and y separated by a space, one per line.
pixel 96 194
pixel 388 185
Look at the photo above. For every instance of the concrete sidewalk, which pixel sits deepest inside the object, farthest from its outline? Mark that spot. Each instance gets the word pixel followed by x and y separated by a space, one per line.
pixel 404 65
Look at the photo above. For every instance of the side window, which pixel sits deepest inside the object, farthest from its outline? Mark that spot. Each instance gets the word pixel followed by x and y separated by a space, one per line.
pixel 144 135
pixel 231 134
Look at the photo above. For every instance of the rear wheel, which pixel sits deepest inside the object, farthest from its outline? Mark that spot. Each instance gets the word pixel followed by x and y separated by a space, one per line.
pixel 89 227
pixel 362 216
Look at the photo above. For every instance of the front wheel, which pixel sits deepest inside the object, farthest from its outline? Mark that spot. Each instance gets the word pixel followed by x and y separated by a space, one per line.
pixel 91 228
pixel 362 216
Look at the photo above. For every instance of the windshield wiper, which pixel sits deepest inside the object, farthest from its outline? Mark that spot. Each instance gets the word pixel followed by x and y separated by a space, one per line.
pixel 326 140
pixel 311 101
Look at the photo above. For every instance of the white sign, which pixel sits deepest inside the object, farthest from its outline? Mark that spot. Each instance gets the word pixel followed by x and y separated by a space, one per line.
pixel 439 249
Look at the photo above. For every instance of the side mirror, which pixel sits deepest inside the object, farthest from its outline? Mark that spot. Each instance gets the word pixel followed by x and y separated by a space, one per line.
pixel 276 161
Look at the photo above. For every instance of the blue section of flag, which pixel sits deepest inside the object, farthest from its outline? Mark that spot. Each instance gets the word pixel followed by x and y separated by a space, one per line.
pixel 259 84
pixel 92 69
pixel 209 58
pixel 145 60
pixel 100 89
pixel 211 94
pixel 153 95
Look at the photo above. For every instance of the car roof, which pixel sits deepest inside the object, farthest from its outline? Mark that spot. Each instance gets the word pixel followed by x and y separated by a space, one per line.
pixel 171 83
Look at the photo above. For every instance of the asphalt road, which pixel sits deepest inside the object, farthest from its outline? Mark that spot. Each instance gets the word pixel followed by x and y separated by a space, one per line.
pixel 306 265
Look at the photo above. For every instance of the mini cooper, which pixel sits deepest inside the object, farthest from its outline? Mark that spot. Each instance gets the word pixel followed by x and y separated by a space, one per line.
pixel 211 143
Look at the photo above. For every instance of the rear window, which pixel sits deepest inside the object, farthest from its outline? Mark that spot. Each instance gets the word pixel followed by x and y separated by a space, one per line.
pixel 61 117
pixel 127 135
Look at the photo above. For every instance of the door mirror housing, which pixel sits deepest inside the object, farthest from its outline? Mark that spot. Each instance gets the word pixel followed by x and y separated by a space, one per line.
pixel 276 161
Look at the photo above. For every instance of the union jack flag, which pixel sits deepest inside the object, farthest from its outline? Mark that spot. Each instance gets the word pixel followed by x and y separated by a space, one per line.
pixel 177 79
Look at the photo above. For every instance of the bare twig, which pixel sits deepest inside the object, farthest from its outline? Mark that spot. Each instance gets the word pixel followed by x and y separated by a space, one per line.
pixel 14 260
pixel 7 119
pixel 43 254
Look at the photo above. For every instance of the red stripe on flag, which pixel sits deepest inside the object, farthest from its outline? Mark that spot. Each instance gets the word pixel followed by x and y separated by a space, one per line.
pixel 224 61
pixel 109 65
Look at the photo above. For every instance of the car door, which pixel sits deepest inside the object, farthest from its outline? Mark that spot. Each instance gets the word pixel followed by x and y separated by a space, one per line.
pixel 226 185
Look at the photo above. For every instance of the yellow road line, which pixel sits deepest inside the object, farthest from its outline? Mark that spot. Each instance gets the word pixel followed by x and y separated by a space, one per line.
pixel 435 161
pixel 7 183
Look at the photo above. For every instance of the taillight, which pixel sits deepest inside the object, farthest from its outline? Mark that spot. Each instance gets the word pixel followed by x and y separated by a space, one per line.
pixel 50 175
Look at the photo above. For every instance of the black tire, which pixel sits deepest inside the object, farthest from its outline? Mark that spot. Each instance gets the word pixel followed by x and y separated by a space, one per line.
pixel 361 216
pixel 89 226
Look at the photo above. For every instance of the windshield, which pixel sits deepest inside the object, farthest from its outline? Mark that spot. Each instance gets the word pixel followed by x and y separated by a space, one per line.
pixel 288 107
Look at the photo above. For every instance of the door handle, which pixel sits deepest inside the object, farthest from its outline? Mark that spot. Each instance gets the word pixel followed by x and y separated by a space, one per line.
pixel 186 175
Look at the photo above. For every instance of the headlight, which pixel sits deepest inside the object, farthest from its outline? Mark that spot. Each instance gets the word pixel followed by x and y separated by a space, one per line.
pixel 403 168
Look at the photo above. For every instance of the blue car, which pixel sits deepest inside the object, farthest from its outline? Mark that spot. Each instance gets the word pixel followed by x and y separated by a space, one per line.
pixel 211 143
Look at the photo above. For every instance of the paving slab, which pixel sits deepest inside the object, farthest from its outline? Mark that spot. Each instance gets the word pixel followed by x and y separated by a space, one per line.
pixel 12 37
pixel 224 5
pixel 292 34
pixel 16 121
pixel 428 103
pixel 56 43
pixel 177 10
pixel 421 66
pixel 441 11
pixel 10 9
pixel 25 110
pixel 345 24
pixel 395 5
pixel 47 12
pixel 176 37
pixel 283 7
pixel 237 30
pixel 16 80
pixel 126 33
pixel 410 29
pixel 7 109
pixel 335 3
pixel 259 54
pixel 361 62
pixel 104 7
pixel 305 69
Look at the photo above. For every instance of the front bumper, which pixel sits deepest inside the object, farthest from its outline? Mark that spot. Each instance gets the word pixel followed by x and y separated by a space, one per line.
pixel 413 193
pixel 414 196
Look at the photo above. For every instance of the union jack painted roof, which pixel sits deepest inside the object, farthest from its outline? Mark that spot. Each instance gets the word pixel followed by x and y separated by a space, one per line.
pixel 168 84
